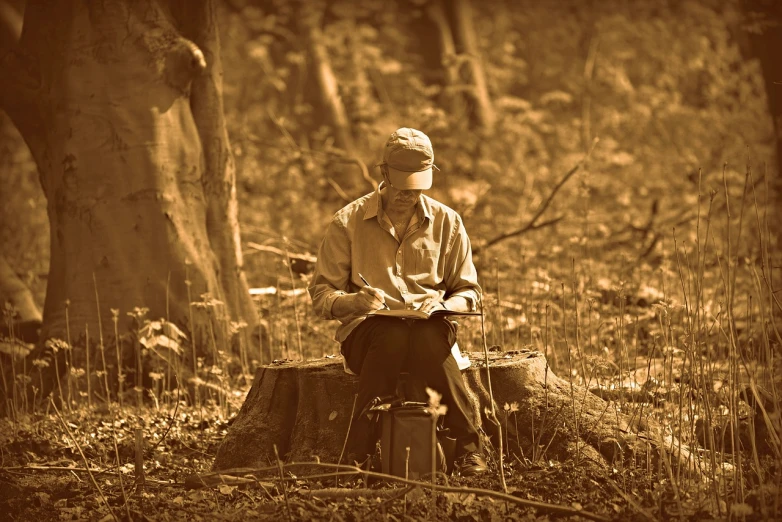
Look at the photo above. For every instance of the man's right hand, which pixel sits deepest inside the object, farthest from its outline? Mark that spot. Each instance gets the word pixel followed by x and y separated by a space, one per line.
pixel 369 298
pixel 362 302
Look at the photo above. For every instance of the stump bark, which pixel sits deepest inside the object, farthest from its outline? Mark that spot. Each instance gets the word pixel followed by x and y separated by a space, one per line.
pixel 304 408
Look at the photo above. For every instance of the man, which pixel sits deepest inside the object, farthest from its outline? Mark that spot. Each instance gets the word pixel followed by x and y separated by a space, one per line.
pixel 415 254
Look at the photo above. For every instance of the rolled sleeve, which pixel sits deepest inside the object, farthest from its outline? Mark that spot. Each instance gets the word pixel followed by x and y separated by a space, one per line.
pixel 332 270
pixel 461 277
pixel 471 296
pixel 328 303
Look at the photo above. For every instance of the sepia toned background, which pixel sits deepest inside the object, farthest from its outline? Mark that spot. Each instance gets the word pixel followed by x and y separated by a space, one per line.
pixel 168 168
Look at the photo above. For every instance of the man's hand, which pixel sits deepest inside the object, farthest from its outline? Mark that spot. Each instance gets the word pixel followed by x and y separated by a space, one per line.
pixel 431 304
pixel 362 302
pixel 455 304
pixel 369 298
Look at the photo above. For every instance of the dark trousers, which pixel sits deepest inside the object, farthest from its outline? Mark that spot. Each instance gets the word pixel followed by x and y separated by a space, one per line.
pixel 382 347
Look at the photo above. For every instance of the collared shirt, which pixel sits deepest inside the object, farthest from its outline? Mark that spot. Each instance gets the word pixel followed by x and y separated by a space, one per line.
pixel 433 258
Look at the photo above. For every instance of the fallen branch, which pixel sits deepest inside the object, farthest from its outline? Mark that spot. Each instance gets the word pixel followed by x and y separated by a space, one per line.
pixel 344 493
pixel 282 253
pixel 94 471
pixel 542 507
pixel 196 482
pixel 533 224
pixel 398 494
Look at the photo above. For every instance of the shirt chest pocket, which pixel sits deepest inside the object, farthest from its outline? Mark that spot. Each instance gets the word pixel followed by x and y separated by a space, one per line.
pixel 426 254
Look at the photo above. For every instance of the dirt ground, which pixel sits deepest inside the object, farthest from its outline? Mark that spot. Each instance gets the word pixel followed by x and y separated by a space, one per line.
pixel 42 478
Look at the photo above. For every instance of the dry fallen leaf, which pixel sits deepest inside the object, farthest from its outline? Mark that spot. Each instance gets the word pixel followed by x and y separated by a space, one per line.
pixel 225 489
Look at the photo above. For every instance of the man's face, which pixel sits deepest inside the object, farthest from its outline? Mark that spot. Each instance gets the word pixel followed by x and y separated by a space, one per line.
pixel 400 200
pixel 403 199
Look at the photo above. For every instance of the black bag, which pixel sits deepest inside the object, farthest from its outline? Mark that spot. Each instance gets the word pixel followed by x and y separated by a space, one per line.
pixel 406 445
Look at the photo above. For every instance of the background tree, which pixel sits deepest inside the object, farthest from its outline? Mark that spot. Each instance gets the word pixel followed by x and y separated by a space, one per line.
pixel 764 24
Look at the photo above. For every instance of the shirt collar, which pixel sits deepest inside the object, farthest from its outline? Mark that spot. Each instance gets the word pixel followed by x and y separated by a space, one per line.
pixel 375 205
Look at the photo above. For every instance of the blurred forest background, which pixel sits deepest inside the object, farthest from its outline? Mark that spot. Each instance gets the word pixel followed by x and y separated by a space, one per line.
pixel 514 95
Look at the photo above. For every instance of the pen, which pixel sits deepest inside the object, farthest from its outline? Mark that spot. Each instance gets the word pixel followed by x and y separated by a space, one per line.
pixel 364 280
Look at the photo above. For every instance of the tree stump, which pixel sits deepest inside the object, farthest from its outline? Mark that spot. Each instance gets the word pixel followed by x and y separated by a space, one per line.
pixel 304 408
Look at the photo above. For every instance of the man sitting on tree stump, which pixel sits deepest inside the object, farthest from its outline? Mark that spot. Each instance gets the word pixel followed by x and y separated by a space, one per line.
pixel 396 248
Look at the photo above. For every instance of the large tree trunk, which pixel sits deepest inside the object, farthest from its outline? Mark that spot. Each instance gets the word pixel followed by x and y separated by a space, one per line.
pixel 136 170
pixel 304 409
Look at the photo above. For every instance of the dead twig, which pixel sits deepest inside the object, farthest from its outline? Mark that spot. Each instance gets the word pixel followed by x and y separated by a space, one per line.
pixel 339 190
pixel 139 462
pixel 344 493
pixel 491 399
pixel 83 457
pixel 631 501
pixel 119 474
pixel 171 419
pixel 282 484
pixel 309 258
pixel 398 494
pixel 45 469
pixel 533 224
pixel 350 425
pixel 336 153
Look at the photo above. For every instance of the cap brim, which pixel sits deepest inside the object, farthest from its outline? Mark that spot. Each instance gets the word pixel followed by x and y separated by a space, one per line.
pixel 410 180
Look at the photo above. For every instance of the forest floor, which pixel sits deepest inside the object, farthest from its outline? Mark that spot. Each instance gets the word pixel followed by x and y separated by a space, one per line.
pixel 42 478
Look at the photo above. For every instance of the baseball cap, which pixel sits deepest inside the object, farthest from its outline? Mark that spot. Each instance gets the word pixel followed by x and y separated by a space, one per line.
pixel 409 157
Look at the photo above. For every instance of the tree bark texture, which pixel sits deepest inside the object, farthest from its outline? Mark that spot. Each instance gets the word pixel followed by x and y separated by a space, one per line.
pixel 13 290
pixel 304 409
pixel 122 111
pixel 467 42
pixel 451 97
pixel 311 16
pixel 766 45
pixel 198 22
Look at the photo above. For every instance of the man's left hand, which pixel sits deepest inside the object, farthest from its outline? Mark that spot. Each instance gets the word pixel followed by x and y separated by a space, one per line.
pixel 432 304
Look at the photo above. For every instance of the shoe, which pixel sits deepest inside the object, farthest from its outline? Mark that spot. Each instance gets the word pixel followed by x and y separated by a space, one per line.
pixel 471 464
